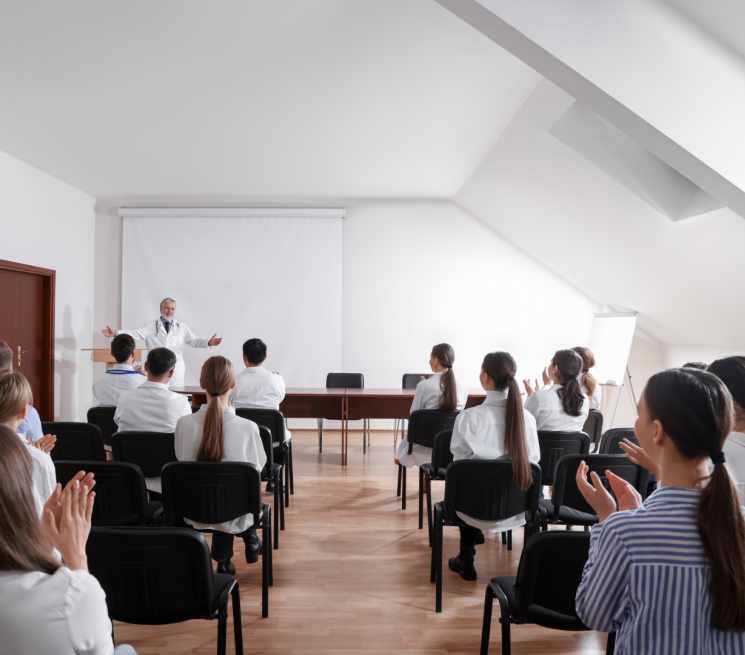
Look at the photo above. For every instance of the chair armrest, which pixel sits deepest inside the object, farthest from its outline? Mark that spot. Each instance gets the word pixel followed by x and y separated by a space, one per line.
pixel 442 474
pixel 428 470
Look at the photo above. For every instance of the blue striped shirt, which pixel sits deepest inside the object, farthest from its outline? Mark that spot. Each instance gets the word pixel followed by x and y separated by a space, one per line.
pixel 647 578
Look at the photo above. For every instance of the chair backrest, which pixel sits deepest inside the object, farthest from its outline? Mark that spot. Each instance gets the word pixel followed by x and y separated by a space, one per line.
pixel 121 498
pixel 78 441
pixel 424 424
pixel 103 417
pixel 441 453
pixel 484 490
pixel 269 418
pixel 151 451
pixel 594 426
pixel 211 492
pixel 554 445
pixel 410 380
pixel 152 576
pixel 195 408
pixel 567 493
pixel 550 571
pixel 613 437
pixel 345 380
pixel 266 442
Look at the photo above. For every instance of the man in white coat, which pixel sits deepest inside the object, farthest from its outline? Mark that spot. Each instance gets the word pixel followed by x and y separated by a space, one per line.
pixel 165 332
pixel 151 407
pixel 122 377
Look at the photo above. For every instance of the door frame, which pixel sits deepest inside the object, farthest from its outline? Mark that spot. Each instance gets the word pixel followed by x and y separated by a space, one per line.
pixel 45 404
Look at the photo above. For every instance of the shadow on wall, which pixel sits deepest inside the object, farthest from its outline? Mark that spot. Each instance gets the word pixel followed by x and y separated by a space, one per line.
pixel 69 384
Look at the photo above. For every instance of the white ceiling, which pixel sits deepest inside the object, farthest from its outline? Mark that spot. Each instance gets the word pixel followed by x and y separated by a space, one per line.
pixel 350 98
pixel 723 19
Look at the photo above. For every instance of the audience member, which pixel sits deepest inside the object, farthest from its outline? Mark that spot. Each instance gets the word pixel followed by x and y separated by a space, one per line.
pixel 588 384
pixel 47 607
pixel 500 428
pixel 439 391
pixel 30 427
pixel 216 434
pixel 122 377
pixel 701 366
pixel 668 575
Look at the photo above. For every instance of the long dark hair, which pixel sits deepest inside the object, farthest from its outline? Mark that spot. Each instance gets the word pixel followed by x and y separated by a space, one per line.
pixel 23 546
pixel 570 368
pixel 695 410
pixel 448 400
pixel 501 368
pixel 217 377
pixel 731 371
pixel 588 361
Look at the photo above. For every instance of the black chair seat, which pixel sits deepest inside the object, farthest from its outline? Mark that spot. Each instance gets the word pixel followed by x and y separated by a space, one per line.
pixel 536 614
pixel 568 515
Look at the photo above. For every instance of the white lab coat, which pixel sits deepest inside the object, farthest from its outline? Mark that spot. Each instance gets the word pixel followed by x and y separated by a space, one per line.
pixel 241 443
pixel 427 396
pixel 596 395
pixel 545 405
pixel 155 336
pixel 108 387
pixel 734 453
pixel 151 407
pixel 257 388
pixel 478 433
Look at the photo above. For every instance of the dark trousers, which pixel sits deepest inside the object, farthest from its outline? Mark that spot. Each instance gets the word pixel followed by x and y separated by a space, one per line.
pixel 222 543
pixel 469 536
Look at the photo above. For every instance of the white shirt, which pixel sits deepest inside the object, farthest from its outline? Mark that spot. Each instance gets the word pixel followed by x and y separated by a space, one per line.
pixel 734 453
pixel 151 407
pixel 108 387
pixel 43 476
pixel 60 614
pixel 155 336
pixel 427 396
pixel 478 433
pixel 596 395
pixel 242 443
pixel 257 388
pixel 545 405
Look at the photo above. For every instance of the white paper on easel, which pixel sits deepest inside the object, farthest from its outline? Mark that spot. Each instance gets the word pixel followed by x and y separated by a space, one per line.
pixel 610 340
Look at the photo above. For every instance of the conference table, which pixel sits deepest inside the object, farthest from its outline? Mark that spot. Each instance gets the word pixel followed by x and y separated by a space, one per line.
pixel 342 405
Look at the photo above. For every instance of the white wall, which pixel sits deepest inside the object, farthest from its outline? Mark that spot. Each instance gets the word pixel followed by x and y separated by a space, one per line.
pixel 50 224
pixel 676 356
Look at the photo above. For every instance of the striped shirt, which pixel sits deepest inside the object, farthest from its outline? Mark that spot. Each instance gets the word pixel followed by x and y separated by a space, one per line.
pixel 647 578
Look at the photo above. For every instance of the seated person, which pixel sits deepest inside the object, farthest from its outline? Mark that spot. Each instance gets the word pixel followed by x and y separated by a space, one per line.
pixel 439 391
pixel 500 428
pixel 47 607
pixel 108 387
pixel 216 434
pixel 255 387
pixel 152 407
pixel 30 427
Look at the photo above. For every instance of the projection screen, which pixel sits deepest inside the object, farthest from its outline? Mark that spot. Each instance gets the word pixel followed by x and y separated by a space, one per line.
pixel 277 277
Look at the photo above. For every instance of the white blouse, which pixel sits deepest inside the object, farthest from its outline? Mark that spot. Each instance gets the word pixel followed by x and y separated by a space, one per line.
pixel 108 387
pixel 427 396
pixel 596 395
pixel 734 453
pixel 242 443
pixel 64 614
pixel 545 405
pixel 43 476
pixel 479 434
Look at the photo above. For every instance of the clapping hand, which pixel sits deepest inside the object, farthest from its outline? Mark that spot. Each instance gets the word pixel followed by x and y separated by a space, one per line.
pixel 530 389
pixel 70 528
pixel 546 379
pixel 421 378
pixel 214 341
pixel 45 444
pixel 598 497
pixel 637 455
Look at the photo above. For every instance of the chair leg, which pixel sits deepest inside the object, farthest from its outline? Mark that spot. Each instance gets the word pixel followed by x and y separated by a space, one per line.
pixel 421 499
pixel 486 626
pixel 277 505
pixel 288 477
pixel 403 487
pixel 504 620
pixel 610 647
pixel 438 559
pixel 509 539
pixel 320 435
pixel 292 474
pixel 266 562
pixel 222 629
pixel 364 436
pixel 504 538
pixel 428 484
pixel 398 490
pixel 237 626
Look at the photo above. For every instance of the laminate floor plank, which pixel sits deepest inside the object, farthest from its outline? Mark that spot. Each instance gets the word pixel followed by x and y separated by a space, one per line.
pixel 352 573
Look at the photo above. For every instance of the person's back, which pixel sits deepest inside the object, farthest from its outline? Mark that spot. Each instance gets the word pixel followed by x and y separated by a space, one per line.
pixel 122 377
pixel 255 386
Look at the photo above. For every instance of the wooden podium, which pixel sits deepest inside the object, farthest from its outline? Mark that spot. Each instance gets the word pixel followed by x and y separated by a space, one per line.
pixel 104 355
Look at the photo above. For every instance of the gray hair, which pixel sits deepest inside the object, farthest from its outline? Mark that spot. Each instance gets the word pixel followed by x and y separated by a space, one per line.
pixel 165 300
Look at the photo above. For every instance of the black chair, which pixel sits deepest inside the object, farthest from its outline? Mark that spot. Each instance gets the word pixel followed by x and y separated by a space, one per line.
pixel 79 441
pixel 157 577
pixel 568 506
pixel 544 590
pixel 217 492
pixel 273 473
pixel 121 496
pixel 344 381
pixel 424 425
pixel 613 437
pixel 103 417
pixel 409 381
pixel 554 445
pixel 151 451
pixel 195 408
pixel 436 470
pixel 594 428
pixel 483 490
pixel 275 421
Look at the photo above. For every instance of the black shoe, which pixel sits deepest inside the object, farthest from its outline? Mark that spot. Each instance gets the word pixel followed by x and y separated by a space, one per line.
pixel 270 487
pixel 253 548
pixel 463 566
pixel 226 566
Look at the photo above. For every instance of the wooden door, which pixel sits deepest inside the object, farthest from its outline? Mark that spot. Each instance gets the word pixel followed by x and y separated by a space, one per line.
pixel 27 326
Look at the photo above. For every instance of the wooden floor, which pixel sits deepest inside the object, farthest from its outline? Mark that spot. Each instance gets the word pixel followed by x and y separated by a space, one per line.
pixel 352 574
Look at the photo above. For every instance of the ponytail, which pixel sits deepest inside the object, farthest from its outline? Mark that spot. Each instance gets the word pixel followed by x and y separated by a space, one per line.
pixel 570 368
pixel 696 412
pixel 217 378
pixel 448 400
pixel 588 361
pixel 501 368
